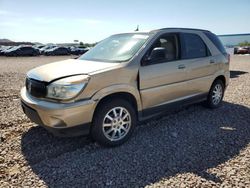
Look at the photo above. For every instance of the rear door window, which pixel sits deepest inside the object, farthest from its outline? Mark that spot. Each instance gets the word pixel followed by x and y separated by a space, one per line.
pixel 29 50
pixel 193 46
pixel 24 50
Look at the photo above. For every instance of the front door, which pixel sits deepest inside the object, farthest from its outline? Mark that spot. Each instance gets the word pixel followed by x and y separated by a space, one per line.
pixel 163 80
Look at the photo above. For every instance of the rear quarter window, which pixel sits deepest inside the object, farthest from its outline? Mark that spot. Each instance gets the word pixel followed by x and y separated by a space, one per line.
pixel 216 41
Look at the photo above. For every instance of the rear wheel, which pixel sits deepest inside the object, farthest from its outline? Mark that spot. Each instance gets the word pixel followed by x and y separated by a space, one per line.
pixel 216 94
pixel 113 123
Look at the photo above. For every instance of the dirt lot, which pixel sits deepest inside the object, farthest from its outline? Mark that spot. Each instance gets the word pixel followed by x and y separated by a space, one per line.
pixel 191 147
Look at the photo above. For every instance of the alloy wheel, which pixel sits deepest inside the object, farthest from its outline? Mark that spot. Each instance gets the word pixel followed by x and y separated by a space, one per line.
pixel 217 94
pixel 116 123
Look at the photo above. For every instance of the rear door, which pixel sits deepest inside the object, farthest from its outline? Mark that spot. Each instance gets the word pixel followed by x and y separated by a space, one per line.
pixel 163 81
pixel 200 64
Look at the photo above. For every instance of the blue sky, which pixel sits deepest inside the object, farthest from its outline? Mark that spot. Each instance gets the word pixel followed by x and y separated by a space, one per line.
pixel 92 20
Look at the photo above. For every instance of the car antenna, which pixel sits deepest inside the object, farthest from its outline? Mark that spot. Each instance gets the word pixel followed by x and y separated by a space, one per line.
pixel 137 29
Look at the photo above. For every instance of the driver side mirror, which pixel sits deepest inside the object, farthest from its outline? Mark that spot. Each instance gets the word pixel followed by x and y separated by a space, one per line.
pixel 157 54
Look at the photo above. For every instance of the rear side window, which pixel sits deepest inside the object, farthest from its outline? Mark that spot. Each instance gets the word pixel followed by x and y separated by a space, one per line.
pixel 193 46
pixel 25 49
pixel 215 41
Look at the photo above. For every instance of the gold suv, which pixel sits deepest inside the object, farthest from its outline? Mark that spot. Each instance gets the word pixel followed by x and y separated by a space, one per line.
pixel 125 78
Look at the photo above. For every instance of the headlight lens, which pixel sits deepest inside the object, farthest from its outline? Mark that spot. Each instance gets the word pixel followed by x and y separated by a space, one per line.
pixel 67 88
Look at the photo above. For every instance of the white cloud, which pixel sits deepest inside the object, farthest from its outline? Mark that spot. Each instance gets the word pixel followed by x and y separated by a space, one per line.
pixel 4 12
pixel 90 21
pixel 44 20
pixel 9 24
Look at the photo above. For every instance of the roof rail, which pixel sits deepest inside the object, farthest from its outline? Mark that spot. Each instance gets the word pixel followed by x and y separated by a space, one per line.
pixel 179 28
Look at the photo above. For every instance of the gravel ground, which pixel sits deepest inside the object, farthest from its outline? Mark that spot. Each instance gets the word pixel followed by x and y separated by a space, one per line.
pixel 191 147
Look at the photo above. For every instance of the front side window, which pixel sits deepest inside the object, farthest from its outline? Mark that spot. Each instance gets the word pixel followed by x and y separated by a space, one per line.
pixel 117 48
pixel 168 45
pixel 193 46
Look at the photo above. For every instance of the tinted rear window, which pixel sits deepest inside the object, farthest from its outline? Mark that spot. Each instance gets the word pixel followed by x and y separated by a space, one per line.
pixel 25 49
pixel 193 46
pixel 216 41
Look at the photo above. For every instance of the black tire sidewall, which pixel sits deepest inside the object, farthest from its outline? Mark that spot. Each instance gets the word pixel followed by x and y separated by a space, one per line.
pixel 97 131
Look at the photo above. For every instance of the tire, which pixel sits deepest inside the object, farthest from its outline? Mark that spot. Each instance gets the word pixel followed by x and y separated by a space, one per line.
pixel 215 95
pixel 116 131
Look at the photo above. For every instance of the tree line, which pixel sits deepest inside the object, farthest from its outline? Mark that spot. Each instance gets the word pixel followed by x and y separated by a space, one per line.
pixel 245 43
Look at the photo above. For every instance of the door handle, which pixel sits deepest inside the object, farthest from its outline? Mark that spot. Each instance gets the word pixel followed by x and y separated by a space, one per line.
pixel 212 61
pixel 181 66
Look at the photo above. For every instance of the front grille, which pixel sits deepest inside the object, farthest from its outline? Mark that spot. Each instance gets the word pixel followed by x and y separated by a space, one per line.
pixel 36 88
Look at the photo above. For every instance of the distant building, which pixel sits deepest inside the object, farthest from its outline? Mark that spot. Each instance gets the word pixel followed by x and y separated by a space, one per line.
pixel 234 39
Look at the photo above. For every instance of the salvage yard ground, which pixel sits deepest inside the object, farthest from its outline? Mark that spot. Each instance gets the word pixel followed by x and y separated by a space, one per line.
pixel 191 147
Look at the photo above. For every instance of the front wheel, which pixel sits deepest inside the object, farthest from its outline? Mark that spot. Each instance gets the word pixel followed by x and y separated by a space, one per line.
pixel 113 123
pixel 216 94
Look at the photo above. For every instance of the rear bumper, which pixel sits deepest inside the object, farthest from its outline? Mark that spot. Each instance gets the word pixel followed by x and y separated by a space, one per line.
pixel 69 119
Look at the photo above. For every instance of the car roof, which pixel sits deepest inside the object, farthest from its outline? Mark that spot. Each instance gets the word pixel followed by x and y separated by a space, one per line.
pixel 165 29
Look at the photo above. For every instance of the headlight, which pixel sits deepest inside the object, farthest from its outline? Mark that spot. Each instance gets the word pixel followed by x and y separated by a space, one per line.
pixel 67 88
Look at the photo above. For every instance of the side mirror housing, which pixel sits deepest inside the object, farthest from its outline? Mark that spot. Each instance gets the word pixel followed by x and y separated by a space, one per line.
pixel 157 54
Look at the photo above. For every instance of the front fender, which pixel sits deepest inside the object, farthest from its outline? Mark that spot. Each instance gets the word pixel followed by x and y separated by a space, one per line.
pixel 118 88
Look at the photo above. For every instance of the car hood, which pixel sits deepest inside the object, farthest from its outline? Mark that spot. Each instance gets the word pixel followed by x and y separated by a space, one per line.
pixel 66 68
pixel 10 50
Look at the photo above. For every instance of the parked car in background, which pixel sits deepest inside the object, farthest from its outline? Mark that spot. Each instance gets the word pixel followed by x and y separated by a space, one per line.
pixel 125 78
pixel 4 48
pixel 43 49
pixel 248 48
pixel 242 50
pixel 78 51
pixel 10 49
pixel 22 51
pixel 57 51
pixel 39 46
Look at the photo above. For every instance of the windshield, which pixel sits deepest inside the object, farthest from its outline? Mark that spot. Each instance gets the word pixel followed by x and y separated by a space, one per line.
pixel 13 48
pixel 117 48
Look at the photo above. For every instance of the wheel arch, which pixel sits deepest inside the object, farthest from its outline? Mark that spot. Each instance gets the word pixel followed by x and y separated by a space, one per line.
pixel 222 78
pixel 119 95
pixel 129 93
